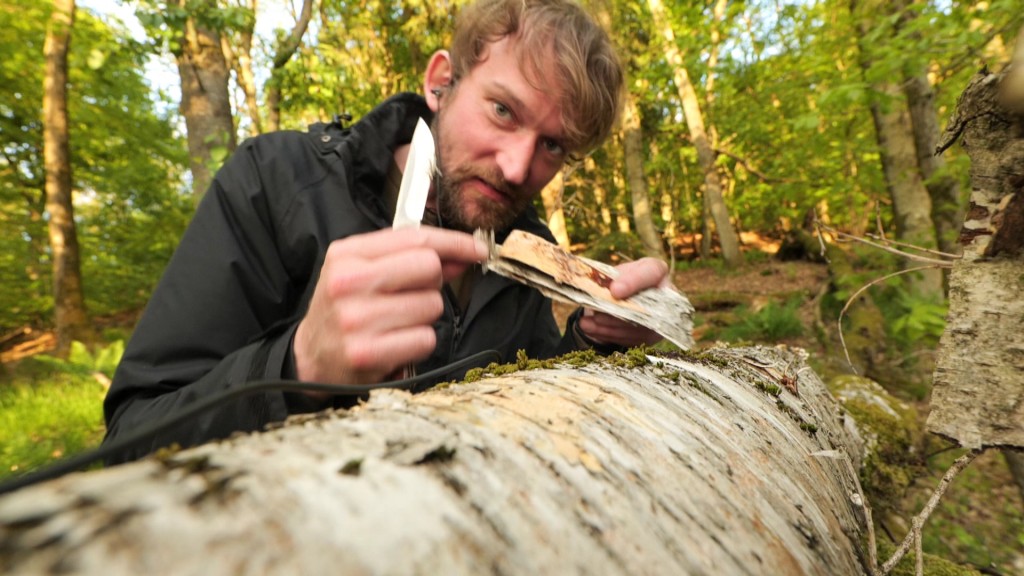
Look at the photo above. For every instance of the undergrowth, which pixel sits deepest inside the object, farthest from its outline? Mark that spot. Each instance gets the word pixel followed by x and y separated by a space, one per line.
pixel 771 323
pixel 51 408
pixel 46 416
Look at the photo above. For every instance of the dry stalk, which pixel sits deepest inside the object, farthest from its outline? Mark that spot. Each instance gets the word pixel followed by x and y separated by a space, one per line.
pixel 940 253
pixel 885 245
pixel 892 247
pixel 853 297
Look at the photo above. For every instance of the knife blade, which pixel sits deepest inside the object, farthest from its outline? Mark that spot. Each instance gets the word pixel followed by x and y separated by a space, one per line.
pixel 419 168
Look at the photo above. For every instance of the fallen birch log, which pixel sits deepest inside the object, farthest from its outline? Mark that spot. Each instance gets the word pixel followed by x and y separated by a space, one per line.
pixel 733 462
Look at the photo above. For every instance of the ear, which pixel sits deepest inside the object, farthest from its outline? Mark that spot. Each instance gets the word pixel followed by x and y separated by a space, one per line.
pixel 438 76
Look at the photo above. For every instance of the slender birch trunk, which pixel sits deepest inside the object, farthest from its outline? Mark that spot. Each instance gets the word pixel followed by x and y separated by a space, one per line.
pixel 633 150
pixel 728 240
pixel 911 202
pixel 978 397
pixel 551 197
pixel 284 53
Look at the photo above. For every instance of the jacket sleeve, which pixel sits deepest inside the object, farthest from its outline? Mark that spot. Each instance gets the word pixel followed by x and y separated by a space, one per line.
pixel 222 315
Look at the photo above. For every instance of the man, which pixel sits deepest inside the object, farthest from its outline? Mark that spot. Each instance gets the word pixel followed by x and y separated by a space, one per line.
pixel 290 268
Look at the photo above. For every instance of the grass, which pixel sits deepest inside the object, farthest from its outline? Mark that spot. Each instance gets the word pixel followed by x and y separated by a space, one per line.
pixel 46 412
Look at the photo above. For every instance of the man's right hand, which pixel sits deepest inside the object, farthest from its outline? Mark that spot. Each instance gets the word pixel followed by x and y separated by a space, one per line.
pixel 375 302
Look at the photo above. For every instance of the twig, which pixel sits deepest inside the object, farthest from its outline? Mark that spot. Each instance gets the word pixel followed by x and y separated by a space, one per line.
pixel 849 302
pixel 764 177
pixel 913 247
pixel 4 339
pixel 914 537
pixel 885 246
pixel 918 550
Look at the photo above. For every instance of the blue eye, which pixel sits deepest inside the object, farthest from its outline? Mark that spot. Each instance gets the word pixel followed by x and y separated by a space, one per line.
pixel 552 147
pixel 502 111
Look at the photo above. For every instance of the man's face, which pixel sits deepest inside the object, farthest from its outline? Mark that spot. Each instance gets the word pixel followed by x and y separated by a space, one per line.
pixel 499 141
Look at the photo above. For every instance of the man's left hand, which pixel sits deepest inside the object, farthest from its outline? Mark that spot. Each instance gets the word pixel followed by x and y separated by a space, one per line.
pixel 633 277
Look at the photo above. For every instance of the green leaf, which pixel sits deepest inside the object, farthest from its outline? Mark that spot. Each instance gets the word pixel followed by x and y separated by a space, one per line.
pixel 96 59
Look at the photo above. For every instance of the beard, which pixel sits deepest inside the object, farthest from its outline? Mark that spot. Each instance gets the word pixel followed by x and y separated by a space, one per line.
pixel 459 207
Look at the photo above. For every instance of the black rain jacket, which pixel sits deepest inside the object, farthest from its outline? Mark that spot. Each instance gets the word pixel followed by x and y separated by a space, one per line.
pixel 227 306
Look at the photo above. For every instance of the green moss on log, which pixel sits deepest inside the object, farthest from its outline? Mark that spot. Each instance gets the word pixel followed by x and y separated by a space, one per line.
pixel 892 435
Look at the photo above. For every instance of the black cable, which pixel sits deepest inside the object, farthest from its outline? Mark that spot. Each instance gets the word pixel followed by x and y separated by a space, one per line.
pixel 79 461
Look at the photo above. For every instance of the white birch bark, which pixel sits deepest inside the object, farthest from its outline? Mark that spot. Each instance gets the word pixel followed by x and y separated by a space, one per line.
pixel 712 466
pixel 978 397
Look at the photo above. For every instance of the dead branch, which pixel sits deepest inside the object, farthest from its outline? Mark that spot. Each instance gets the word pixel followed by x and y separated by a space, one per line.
pixel 886 245
pixel 914 537
pixel 746 165
pixel 881 238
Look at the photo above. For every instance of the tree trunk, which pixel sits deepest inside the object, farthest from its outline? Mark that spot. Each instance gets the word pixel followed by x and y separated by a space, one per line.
pixel 205 100
pixel 551 197
pixel 943 188
pixel 284 53
pixel 912 205
pixel 633 149
pixel 736 462
pixel 978 397
pixel 72 322
pixel 727 238
pixel 241 62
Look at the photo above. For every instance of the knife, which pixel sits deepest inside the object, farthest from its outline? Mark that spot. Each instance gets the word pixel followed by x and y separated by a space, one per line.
pixel 419 169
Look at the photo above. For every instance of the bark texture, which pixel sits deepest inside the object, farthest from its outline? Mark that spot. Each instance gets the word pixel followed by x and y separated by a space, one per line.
pixel 978 398
pixel 706 466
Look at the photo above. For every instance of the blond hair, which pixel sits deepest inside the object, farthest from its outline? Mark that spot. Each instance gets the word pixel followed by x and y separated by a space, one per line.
pixel 586 65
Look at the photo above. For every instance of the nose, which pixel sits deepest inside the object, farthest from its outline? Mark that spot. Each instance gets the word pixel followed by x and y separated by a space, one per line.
pixel 515 156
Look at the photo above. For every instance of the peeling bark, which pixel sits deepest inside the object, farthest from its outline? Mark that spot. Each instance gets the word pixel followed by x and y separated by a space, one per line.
pixel 978 398
pixel 736 462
